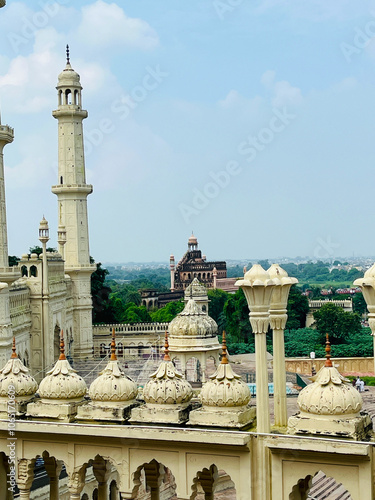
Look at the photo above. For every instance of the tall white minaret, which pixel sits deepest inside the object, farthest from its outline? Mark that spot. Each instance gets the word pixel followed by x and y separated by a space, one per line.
pixel 6 137
pixel 72 192
pixel 7 274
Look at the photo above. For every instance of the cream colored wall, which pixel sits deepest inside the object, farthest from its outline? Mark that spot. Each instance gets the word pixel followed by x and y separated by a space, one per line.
pixel 283 459
pixel 344 365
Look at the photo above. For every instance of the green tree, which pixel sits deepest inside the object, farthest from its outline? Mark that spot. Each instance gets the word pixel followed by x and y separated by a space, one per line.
pixel 135 314
pixel 13 260
pixel 237 318
pixel 359 304
pixel 216 305
pixel 39 250
pixel 338 323
pixel 298 307
pixel 102 311
pixel 168 312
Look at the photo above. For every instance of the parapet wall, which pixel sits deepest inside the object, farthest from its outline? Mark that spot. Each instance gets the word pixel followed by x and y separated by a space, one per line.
pixel 344 365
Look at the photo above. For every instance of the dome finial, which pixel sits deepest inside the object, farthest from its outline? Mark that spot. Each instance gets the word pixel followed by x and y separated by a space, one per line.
pixel 166 348
pixel 62 346
pixel 113 346
pixel 328 352
pixel 14 354
pixel 224 353
pixel 67 54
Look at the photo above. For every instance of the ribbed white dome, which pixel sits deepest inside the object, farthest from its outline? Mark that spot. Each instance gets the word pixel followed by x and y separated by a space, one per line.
pixel 330 394
pixel 16 374
pixel 192 322
pixel 195 289
pixel 63 383
pixel 167 386
pixel 113 385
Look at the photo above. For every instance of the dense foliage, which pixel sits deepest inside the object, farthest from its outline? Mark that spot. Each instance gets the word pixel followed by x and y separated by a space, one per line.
pixel 319 272
pixel 337 323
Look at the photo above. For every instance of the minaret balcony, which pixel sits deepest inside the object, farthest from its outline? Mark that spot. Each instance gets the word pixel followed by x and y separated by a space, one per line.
pixel 6 133
pixel 9 274
pixel 69 110
pixel 72 189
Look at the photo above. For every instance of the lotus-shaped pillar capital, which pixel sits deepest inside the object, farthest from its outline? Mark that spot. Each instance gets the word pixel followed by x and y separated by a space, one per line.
pixel 257 287
pixel 283 283
pixel 367 285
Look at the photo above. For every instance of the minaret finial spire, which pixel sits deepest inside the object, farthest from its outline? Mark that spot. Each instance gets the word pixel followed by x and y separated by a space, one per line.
pixel 14 354
pixel 166 348
pixel 62 346
pixel 67 54
pixel 113 346
pixel 328 353
pixel 224 353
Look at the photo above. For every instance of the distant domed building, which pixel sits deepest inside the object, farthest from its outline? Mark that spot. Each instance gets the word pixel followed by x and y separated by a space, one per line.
pixel 195 265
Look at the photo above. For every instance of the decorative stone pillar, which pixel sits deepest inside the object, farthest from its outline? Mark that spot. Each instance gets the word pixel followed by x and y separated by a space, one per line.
pixel 102 469
pixel 53 468
pixel 25 477
pixel 258 287
pixel 154 473
pixel 278 318
pixel 367 285
pixel 76 483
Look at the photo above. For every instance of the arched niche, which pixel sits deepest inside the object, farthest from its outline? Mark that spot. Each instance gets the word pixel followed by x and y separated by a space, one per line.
pixel 153 479
pixel 213 483
pixel 312 486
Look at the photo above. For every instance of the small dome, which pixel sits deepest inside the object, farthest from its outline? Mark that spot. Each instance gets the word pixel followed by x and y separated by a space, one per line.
pixel 167 386
pixel 112 383
pixel 69 77
pixel 225 388
pixel 17 375
pixel 62 382
pixel 195 290
pixel 330 394
pixel 192 322
pixel 192 240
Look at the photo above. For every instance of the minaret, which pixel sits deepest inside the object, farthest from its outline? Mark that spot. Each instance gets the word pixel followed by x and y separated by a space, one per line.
pixel 6 137
pixel 7 274
pixel 72 192
pixel 172 268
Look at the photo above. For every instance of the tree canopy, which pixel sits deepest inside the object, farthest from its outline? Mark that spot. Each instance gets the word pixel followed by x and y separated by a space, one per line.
pixel 338 323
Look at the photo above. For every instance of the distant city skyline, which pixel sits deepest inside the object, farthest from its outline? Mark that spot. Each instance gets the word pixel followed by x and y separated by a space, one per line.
pixel 250 124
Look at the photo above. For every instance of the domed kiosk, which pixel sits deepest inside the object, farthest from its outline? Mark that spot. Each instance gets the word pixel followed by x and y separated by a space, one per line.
pixel 61 392
pixel 330 406
pixel 225 399
pixel 167 395
pixel 193 333
pixel 112 394
pixel 16 386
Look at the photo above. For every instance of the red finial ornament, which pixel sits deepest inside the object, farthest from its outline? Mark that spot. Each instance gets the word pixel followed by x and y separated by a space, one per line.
pixel 14 354
pixel 328 352
pixel 62 346
pixel 224 352
pixel 113 346
pixel 166 348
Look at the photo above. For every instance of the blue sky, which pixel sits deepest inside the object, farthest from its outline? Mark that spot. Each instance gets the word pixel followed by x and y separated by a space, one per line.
pixel 251 123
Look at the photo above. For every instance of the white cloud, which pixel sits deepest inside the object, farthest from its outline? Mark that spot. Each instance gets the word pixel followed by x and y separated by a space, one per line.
pixel 282 92
pixel 106 25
